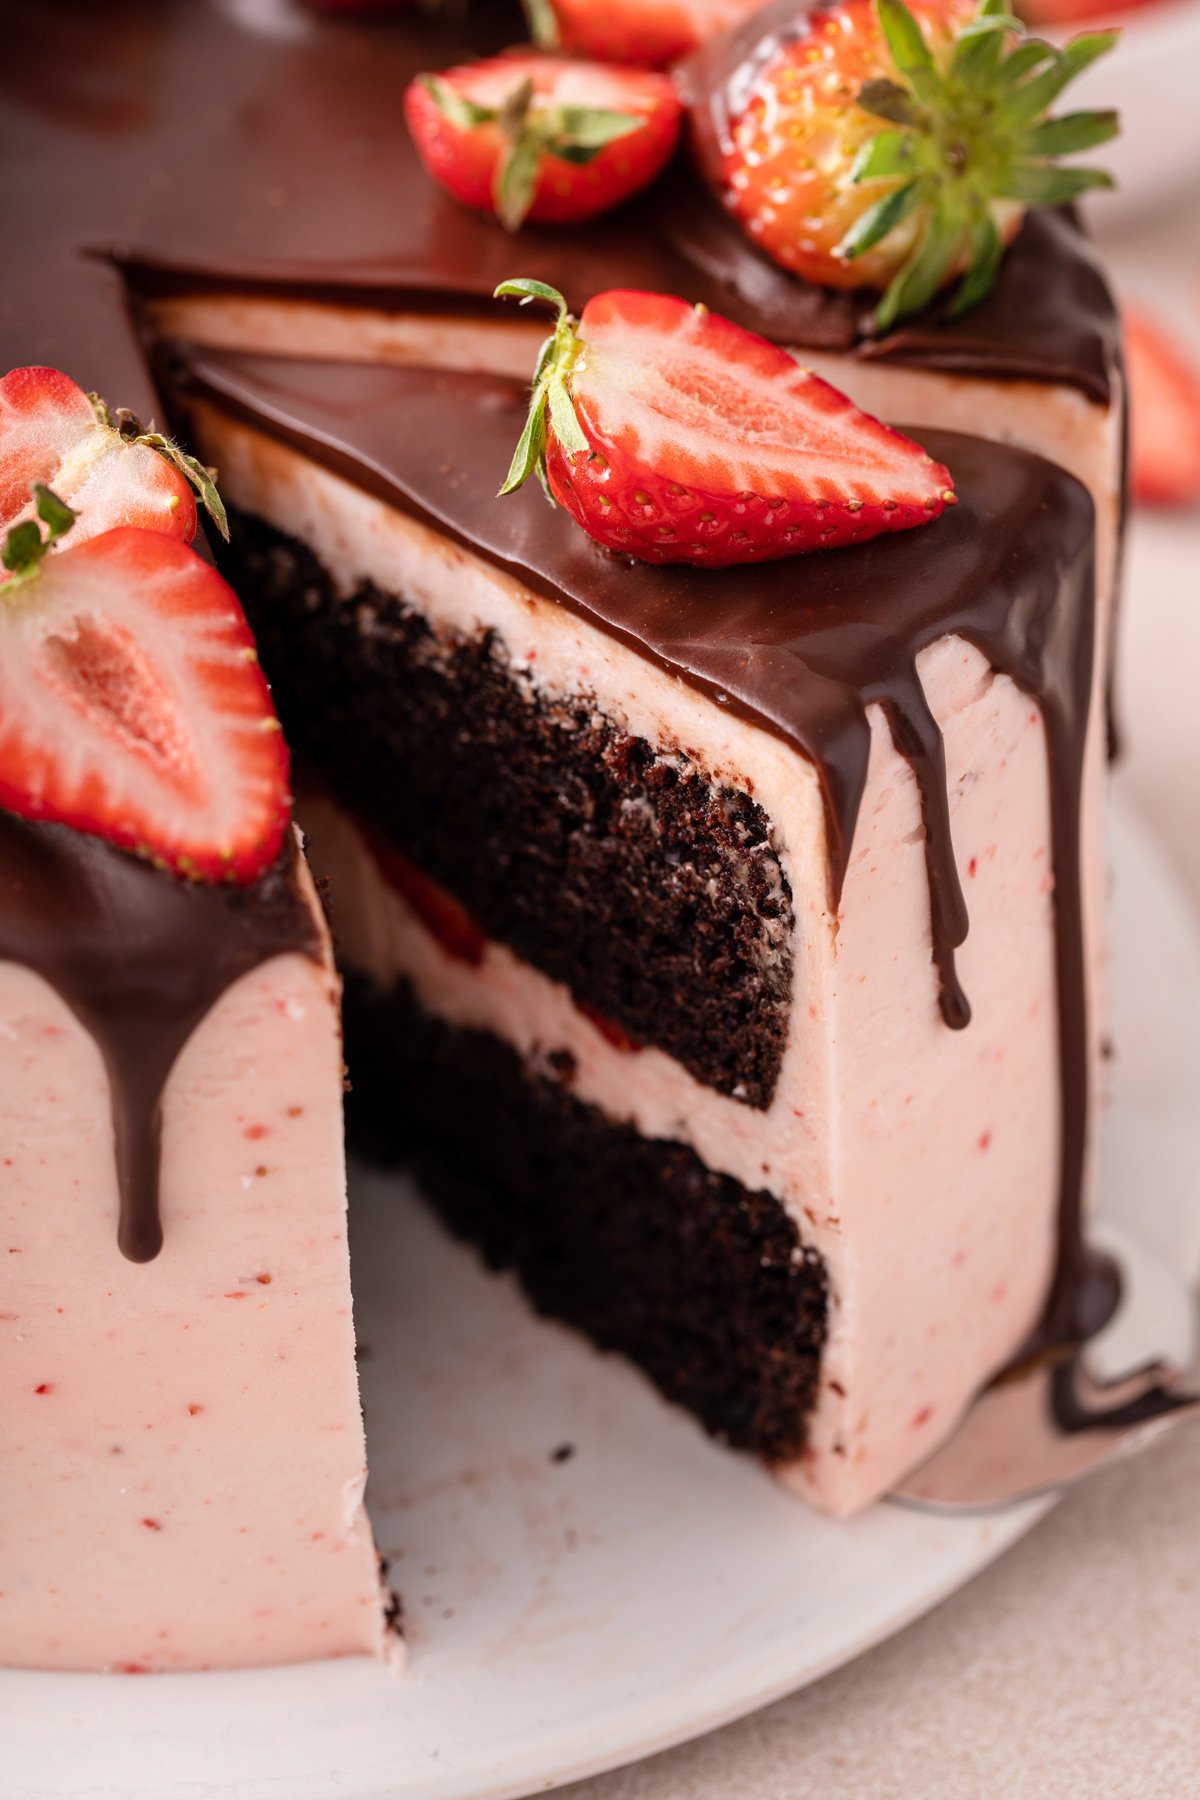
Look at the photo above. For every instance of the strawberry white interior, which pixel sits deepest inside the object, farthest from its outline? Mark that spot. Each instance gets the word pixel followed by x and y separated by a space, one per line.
pixel 878 1107
pixel 698 401
pixel 199 1411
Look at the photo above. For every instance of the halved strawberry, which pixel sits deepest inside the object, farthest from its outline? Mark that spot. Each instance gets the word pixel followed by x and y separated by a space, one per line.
pixel 675 436
pixel 542 138
pixel 652 33
pixel 870 145
pixel 132 705
pixel 106 468
pixel 1164 415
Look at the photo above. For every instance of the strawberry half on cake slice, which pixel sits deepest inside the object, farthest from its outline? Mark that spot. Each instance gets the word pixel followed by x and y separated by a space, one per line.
pixel 675 436
pixel 181 1434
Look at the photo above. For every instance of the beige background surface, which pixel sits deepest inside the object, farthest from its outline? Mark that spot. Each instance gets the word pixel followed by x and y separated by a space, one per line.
pixel 1071 1669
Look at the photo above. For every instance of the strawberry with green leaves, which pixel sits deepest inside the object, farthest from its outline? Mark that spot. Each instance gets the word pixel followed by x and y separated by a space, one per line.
pixel 674 436
pixel 542 138
pixel 132 705
pixel 103 464
pixel 881 147
pixel 651 33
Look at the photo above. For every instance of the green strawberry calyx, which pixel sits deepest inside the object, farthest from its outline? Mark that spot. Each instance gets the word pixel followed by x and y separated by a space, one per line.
pixel 969 144
pixel 542 20
pixel 550 405
pixel 24 546
pixel 532 129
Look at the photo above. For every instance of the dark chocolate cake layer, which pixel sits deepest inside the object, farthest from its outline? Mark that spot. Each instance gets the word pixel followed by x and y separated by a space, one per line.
pixel 262 148
pixel 655 896
pixel 702 1283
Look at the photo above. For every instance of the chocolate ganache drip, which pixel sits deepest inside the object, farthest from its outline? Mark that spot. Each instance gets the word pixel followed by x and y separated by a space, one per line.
pixel 803 648
pixel 141 958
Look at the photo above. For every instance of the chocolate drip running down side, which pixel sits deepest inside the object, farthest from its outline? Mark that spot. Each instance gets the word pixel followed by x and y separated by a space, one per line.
pixel 141 959
pixel 801 648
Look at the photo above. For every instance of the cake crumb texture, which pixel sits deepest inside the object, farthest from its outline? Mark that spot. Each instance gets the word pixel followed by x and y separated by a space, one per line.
pixel 653 893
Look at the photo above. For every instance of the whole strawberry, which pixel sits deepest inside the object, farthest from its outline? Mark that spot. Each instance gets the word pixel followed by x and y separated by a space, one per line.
pixel 652 33
pixel 673 435
pixel 526 136
pixel 870 145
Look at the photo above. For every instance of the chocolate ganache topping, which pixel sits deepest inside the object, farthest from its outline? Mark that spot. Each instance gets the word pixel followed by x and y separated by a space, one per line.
pixel 801 648
pixel 141 958
pixel 254 146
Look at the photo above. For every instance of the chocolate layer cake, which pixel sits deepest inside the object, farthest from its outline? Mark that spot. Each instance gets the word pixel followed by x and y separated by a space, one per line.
pixel 724 948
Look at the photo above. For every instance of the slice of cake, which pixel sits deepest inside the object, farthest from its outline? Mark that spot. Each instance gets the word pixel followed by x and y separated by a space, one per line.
pixel 650 884
pixel 181 1435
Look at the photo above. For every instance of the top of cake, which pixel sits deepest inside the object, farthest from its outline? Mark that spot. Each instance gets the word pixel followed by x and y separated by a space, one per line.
pixel 261 147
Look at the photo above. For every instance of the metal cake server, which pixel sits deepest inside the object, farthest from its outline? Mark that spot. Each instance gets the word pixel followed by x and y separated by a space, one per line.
pixel 1062 1415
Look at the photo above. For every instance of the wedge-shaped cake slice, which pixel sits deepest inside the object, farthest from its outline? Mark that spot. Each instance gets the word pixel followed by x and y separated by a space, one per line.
pixel 652 882
pixel 180 1431
pixel 181 1435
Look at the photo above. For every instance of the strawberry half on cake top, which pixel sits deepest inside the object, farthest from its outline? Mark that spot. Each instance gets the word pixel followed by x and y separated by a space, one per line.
pixel 674 436
pixel 181 1436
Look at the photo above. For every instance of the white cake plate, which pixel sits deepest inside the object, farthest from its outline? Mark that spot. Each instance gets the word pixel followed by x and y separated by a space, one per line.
pixel 567 1613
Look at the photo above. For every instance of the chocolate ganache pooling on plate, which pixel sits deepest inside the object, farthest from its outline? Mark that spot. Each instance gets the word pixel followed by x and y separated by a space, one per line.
pixel 141 958
pixel 802 647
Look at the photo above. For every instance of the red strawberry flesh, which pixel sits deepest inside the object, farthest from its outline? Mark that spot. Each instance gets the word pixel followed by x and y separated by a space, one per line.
pixel 132 706
pixel 448 922
pixel 650 32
